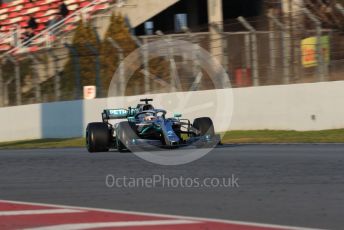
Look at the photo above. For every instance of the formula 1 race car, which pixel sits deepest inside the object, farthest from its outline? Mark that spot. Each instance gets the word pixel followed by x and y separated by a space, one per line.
pixel 145 127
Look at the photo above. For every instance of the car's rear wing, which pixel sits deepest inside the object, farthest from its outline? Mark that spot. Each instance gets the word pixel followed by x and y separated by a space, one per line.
pixel 118 113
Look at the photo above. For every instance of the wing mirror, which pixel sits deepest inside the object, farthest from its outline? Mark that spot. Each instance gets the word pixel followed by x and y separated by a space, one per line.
pixel 177 115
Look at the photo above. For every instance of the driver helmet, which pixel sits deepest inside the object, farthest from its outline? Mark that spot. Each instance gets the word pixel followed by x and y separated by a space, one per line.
pixel 149 118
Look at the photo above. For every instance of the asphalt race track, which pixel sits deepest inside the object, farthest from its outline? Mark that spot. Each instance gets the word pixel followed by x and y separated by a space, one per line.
pixel 296 185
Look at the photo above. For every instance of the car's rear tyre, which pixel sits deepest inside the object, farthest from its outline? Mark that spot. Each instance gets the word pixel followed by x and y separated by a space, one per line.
pixel 97 137
pixel 205 126
pixel 125 134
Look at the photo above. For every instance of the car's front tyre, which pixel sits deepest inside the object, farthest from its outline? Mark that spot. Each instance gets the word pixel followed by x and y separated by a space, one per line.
pixel 206 130
pixel 205 126
pixel 97 137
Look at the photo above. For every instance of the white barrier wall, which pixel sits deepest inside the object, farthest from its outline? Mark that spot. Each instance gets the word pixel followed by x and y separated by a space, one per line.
pixel 20 122
pixel 314 106
pixel 311 106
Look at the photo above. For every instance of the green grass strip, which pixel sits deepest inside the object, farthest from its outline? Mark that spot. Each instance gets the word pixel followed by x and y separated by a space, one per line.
pixel 44 143
pixel 283 136
pixel 249 136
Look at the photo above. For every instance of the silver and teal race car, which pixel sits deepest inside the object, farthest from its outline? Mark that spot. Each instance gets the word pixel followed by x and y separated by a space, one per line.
pixel 145 127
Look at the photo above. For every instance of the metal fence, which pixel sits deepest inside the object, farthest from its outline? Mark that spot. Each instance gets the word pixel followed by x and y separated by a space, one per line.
pixel 251 56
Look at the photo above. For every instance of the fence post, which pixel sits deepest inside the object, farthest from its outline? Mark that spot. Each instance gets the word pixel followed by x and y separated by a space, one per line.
pixel 319 53
pixel 196 69
pixel 175 83
pixel 121 67
pixel 254 50
pixel 247 42
pixel 97 68
pixel 17 78
pixel 286 49
pixel 36 77
pixel 57 77
pixel 18 83
pixel 146 66
pixel 272 47
pixel 216 41
pixel 219 30
pixel 76 65
pixel 224 50
pixel 2 88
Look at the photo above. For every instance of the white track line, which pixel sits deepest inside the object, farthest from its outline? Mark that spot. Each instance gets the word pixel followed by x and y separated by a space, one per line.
pixel 37 212
pixel 81 226
pixel 284 227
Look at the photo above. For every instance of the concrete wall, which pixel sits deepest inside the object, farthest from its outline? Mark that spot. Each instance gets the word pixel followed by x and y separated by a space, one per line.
pixel 313 106
pixel 290 107
pixel 20 122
